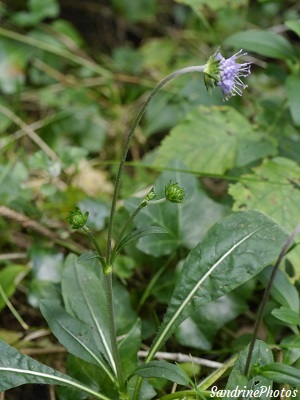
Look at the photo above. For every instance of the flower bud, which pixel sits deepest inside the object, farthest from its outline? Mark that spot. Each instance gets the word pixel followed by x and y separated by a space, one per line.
pixel 77 219
pixel 174 193
pixel 151 195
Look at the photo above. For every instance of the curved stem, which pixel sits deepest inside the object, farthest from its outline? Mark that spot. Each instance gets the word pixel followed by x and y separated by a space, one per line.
pixel 127 144
pixel 261 311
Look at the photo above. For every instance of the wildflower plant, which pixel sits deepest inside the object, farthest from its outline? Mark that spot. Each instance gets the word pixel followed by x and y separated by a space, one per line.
pixel 232 251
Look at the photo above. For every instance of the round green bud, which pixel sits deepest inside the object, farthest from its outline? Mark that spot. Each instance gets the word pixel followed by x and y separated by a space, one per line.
pixel 174 193
pixel 76 219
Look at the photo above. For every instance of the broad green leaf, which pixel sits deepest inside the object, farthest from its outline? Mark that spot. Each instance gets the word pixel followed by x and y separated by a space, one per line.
pixel 184 226
pixel 139 233
pixel 294 25
pixel 233 251
pixel 88 255
pixel 261 355
pixel 287 315
pixel 213 140
pixel 73 334
pixel 10 276
pixel 162 369
pixel 273 189
pixel 84 298
pixel 199 330
pixel 18 369
pixel 293 90
pixel 282 289
pixel 265 43
pixel 280 373
pixel 98 212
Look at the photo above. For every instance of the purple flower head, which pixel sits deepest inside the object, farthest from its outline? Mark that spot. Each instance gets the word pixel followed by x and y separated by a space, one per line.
pixel 230 74
pixel 226 73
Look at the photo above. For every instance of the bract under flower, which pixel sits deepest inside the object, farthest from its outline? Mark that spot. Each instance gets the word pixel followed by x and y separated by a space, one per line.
pixel 227 73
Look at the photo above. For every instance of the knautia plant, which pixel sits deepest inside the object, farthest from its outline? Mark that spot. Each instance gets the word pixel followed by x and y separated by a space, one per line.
pixel 232 251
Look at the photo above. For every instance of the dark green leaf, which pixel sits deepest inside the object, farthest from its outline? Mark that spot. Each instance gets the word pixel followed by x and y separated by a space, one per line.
pixel 233 251
pixel 265 43
pixel 185 227
pixel 18 369
pixel 84 298
pixel 280 373
pixel 129 348
pixel 162 369
pixel 73 334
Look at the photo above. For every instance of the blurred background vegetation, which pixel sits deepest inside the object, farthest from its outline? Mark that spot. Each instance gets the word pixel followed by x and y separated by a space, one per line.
pixel 72 76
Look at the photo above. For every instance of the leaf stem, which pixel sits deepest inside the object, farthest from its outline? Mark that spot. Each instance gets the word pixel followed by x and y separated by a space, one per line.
pixel 262 307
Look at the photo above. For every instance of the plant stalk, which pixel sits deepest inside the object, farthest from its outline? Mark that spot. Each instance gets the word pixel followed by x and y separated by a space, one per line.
pixel 261 311
pixel 127 144
pixel 112 331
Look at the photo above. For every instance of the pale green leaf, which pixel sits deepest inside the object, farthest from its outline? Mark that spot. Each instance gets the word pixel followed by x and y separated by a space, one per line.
pixel 18 369
pixel 9 278
pixel 213 140
pixel 262 42
pixel 294 25
pixel 287 315
pixel 233 251
pixel 139 233
pixel 293 90
pixel 273 189
pixel 282 289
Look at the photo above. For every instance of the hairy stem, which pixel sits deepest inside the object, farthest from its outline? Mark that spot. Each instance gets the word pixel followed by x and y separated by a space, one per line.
pixel 127 144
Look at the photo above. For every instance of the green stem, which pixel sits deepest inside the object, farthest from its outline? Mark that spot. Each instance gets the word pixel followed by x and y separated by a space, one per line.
pixel 185 394
pixel 97 247
pixel 261 311
pixel 112 331
pixel 121 235
pixel 126 148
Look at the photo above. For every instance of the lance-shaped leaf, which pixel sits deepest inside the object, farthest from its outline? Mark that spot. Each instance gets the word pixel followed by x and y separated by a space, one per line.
pixel 18 369
pixel 139 233
pixel 73 334
pixel 84 298
pixel 162 369
pixel 233 251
